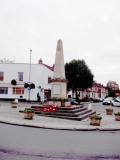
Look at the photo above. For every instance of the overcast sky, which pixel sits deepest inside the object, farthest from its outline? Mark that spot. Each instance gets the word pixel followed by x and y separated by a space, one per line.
pixel 90 30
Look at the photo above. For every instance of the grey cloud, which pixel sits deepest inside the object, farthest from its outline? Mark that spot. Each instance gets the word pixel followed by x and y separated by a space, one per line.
pixel 90 30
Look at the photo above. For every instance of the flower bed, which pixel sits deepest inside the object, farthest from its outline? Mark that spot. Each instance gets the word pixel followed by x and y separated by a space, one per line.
pixel 14 104
pixel 95 119
pixel 109 111
pixel 117 116
pixel 28 113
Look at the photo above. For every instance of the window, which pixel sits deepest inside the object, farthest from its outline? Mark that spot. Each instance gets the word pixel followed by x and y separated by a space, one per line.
pixel 20 76
pixel 18 90
pixel 1 76
pixel 3 90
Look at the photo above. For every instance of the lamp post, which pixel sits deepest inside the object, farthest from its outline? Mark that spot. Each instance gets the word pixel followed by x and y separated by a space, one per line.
pixel 29 74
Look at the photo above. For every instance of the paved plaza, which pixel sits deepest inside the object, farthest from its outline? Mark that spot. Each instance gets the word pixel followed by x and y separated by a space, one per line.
pixel 72 142
pixel 13 116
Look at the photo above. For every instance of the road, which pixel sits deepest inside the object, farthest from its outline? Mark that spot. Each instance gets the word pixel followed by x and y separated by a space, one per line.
pixel 22 143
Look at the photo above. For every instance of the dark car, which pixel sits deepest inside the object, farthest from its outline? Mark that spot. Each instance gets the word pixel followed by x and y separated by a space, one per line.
pixel 74 102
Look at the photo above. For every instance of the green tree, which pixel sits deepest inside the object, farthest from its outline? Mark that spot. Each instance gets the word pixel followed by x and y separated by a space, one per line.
pixel 79 76
pixel 112 93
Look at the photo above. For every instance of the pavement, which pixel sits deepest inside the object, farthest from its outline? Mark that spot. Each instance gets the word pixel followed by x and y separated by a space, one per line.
pixel 12 116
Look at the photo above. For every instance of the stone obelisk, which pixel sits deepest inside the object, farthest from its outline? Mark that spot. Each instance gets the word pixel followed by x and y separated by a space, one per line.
pixel 59 83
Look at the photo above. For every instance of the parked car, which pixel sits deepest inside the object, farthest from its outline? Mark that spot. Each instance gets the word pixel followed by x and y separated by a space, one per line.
pixel 115 103
pixel 96 99
pixel 118 99
pixel 107 101
pixel 74 102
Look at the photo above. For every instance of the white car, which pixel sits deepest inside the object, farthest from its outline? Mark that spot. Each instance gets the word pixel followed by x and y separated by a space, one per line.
pixel 118 99
pixel 107 101
pixel 115 103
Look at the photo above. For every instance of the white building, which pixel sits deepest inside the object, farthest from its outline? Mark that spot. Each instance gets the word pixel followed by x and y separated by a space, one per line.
pixel 21 73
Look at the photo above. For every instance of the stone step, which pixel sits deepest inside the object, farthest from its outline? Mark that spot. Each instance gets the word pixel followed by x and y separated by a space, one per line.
pixel 61 108
pixel 73 110
pixel 38 109
pixel 71 107
pixel 69 114
pixel 79 118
